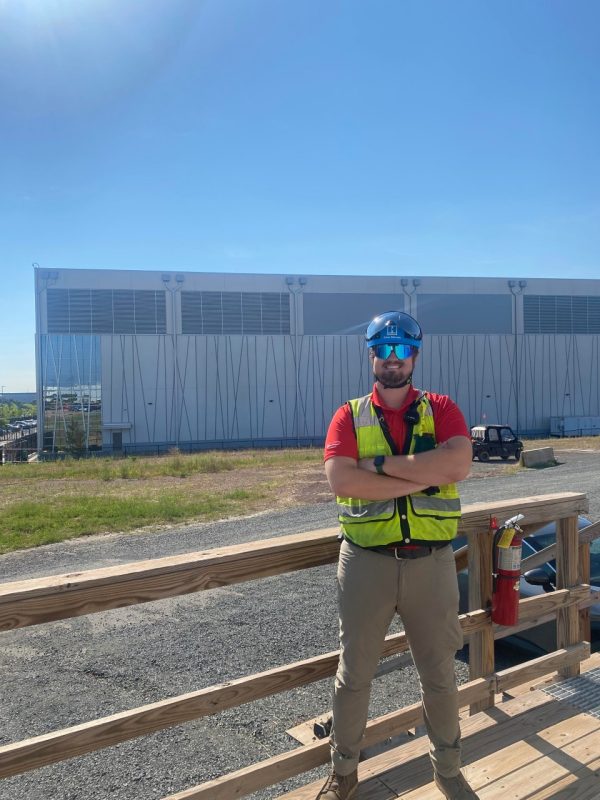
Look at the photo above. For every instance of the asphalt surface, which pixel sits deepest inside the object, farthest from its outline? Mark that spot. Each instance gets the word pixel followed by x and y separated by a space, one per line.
pixel 73 671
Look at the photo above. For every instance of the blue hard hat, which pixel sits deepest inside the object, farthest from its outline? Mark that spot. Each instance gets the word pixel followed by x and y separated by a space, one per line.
pixel 394 327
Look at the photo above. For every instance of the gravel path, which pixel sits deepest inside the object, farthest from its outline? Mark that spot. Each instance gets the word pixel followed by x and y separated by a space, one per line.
pixel 72 671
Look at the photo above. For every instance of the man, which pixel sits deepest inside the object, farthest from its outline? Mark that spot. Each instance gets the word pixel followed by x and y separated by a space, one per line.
pixel 392 458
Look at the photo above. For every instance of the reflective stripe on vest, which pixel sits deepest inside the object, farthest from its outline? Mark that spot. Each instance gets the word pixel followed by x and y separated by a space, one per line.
pixel 422 502
pixel 430 518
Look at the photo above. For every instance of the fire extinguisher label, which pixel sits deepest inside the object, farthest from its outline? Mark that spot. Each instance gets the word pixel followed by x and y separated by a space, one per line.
pixel 506 538
pixel 509 559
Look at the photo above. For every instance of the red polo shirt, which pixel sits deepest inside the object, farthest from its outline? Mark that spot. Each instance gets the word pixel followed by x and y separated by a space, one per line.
pixel 448 418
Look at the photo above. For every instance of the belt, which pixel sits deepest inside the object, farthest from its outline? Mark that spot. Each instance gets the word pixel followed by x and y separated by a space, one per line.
pixel 402 552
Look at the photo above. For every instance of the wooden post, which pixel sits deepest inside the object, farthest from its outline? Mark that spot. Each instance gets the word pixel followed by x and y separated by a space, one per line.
pixel 481 645
pixel 567 567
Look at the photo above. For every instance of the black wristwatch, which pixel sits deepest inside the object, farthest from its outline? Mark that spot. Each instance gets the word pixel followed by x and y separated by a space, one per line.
pixel 378 463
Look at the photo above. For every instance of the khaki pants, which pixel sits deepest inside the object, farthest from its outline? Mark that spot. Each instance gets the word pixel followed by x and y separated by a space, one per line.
pixel 372 587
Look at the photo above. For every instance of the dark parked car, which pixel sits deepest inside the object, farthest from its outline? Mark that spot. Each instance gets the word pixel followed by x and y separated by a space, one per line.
pixel 491 441
pixel 542 638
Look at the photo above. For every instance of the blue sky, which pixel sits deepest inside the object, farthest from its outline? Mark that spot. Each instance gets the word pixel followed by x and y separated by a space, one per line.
pixel 414 137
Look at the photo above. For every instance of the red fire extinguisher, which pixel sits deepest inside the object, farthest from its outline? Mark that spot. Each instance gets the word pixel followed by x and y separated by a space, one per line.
pixel 507 572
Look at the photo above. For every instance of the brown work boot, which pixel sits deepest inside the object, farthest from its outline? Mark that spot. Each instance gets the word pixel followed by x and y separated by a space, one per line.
pixel 339 787
pixel 455 788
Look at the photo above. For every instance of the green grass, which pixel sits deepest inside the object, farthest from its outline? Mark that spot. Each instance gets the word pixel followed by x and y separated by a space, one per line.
pixel 33 514
pixel 30 523
pixel 180 465
pixel 82 497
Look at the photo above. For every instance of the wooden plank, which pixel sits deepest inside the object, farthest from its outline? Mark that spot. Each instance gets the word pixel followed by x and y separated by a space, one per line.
pixel 59 597
pixel 493 749
pixel 511 720
pixel 276 769
pixel 580 785
pixel 586 536
pixel 481 644
pixel 59 745
pixel 538 778
pixel 87 737
pixel 27 589
pixel 558 661
pixel 544 607
pixel 90 736
pixel 56 597
pixel 567 565
pixel 579 744
pixel 507 775
pixel 539 558
pixel 373 789
pixel 537 509
pixel 573 735
pixel 414 782
pixel 97 734
pixel 590 533
pixel 586 748
pixel 593 662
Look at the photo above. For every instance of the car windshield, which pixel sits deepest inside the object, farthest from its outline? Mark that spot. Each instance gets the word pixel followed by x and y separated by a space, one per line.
pixel 507 435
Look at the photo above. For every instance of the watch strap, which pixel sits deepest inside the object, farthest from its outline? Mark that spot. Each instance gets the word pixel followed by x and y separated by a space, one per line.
pixel 378 462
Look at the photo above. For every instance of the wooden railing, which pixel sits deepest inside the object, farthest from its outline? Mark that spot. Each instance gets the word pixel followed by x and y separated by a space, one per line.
pixel 41 600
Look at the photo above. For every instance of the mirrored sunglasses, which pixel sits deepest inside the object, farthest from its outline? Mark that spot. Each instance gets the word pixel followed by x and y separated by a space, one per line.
pixel 401 351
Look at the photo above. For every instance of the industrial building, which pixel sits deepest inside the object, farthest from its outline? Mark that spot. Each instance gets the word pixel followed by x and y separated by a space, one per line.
pixel 142 361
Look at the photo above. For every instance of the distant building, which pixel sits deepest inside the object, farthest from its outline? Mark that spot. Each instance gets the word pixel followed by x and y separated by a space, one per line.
pixel 147 361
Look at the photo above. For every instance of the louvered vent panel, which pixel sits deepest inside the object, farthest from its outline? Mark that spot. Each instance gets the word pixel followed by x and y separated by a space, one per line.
pixel 80 311
pixel 564 315
pixel 102 313
pixel 123 311
pixel 561 314
pixel 579 315
pixel 160 309
pixel 232 312
pixel 285 312
pixel 212 312
pixel 271 312
pixel 531 314
pixel 145 310
pixel 251 313
pixel 191 312
pixel 58 310
pixel 593 314
pixel 547 314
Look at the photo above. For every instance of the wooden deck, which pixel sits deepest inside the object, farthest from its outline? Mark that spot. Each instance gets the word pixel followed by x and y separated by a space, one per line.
pixel 530 746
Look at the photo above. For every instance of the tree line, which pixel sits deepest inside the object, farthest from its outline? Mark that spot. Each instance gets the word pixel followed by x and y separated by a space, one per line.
pixel 13 409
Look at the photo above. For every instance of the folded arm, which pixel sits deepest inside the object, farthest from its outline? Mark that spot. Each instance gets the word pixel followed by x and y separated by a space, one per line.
pixel 448 463
pixel 347 479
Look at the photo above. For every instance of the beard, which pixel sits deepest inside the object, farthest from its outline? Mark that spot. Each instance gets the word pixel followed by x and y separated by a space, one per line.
pixel 392 378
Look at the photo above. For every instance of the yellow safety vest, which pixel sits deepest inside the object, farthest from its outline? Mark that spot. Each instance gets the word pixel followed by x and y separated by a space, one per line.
pixel 419 518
